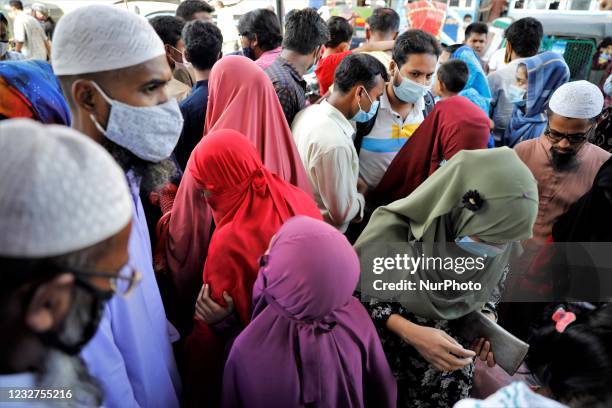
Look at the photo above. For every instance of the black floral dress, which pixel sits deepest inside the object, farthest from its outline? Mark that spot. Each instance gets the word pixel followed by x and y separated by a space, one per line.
pixel 420 384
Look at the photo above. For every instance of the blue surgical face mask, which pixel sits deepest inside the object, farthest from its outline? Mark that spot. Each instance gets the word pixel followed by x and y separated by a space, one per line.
pixel 362 116
pixel 409 91
pixel 149 132
pixel 516 94
pixel 479 248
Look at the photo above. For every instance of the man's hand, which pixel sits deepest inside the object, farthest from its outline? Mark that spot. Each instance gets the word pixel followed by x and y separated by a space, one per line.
pixel 208 310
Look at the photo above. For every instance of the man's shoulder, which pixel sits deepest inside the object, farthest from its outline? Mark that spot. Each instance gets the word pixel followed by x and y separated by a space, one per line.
pixel 525 147
pixel 598 154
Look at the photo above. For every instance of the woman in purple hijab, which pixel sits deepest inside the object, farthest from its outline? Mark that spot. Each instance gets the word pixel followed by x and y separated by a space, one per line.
pixel 310 342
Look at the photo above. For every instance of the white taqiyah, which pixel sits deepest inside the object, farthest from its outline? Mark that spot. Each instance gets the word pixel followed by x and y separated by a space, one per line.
pixel 102 38
pixel 61 192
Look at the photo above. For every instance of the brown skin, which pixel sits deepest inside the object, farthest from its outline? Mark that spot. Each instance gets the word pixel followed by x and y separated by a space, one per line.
pixel 477 42
pixel 377 36
pixel 418 68
pixel 203 16
pixel 140 85
pixel 48 308
pixel 440 90
pixel 252 44
pixel 174 53
pixel 522 76
pixel 561 124
pixel 302 62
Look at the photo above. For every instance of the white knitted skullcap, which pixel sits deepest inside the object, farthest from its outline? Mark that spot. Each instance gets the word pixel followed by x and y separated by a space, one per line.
pixel 101 38
pixel 578 100
pixel 61 192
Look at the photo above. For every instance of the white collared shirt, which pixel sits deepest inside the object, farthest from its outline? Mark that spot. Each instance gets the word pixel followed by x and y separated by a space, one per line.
pixel 386 138
pixel 324 139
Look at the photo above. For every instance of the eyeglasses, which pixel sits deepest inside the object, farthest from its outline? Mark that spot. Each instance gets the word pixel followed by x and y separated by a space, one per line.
pixel 122 283
pixel 575 138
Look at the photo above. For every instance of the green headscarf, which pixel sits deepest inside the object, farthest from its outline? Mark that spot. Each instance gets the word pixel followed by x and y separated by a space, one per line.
pixel 437 213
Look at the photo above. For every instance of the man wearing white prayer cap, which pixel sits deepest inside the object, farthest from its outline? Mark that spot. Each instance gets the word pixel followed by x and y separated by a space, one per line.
pixel 113 70
pixel 562 160
pixel 65 217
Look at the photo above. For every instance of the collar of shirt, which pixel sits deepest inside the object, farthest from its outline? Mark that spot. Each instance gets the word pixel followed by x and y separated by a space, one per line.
pixel 386 104
pixel 292 71
pixel 200 84
pixel 337 116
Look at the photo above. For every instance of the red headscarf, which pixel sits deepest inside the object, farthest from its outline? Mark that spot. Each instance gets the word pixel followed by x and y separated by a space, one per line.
pixel 241 97
pixel 455 124
pixel 249 204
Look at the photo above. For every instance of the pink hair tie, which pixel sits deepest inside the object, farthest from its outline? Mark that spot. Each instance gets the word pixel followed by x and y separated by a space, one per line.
pixel 563 319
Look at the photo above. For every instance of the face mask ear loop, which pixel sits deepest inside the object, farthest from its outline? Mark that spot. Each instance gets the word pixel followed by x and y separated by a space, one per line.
pixel 91 115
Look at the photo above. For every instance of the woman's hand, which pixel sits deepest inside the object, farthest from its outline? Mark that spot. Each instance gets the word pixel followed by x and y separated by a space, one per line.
pixel 482 348
pixel 208 310
pixel 434 345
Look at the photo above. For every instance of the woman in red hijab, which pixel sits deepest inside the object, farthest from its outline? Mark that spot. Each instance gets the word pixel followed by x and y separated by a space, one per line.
pixel 455 124
pixel 240 97
pixel 249 204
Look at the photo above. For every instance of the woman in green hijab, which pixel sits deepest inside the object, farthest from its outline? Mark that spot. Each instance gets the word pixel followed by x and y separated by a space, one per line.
pixel 478 206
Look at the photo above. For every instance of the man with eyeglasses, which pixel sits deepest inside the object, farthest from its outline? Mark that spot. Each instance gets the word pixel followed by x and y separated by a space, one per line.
pixel 65 217
pixel 562 160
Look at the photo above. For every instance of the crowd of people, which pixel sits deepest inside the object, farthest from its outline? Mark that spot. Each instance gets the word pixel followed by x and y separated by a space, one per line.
pixel 187 228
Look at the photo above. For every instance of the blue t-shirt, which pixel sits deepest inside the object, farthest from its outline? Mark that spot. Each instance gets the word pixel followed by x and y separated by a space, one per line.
pixel 193 109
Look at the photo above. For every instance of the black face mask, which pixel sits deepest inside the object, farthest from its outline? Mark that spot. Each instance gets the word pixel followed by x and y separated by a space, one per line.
pixel 82 320
pixel 249 53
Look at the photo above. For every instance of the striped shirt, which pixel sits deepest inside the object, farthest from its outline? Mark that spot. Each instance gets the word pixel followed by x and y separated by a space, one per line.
pixel 386 138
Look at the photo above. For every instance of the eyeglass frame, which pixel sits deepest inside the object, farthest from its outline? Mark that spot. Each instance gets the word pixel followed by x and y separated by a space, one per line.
pixel 134 278
pixel 574 139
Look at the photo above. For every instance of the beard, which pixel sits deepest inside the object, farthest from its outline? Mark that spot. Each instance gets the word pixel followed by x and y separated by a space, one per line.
pixel 153 175
pixel 563 161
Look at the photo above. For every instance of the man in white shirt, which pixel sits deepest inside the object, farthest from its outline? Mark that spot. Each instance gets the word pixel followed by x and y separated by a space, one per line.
pixel 402 106
pixel 30 37
pixel 324 137
pixel 523 40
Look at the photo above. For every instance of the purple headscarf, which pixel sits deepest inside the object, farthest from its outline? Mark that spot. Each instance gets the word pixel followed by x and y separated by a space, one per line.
pixel 310 341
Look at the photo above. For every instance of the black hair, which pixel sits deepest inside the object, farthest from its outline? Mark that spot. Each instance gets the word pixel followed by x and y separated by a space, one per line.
pixel 384 20
pixel 187 9
pixel 264 24
pixel 305 31
pixel 3 19
pixel 168 28
pixel 16 4
pixel 606 42
pixel 452 48
pixel 414 42
pixel 339 31
pixel 575 365
pixel 477 28
pixel 358 69
pixel 524 36
pixel 454 75
pixel 203 42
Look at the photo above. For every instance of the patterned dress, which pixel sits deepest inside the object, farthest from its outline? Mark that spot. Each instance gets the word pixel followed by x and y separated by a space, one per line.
pixel 420 384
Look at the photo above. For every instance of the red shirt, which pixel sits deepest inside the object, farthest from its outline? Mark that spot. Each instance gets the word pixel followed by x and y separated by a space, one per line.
pixel 326 69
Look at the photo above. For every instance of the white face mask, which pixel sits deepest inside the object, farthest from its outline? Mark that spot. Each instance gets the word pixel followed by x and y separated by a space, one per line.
pixel 150 132
pixel 3 48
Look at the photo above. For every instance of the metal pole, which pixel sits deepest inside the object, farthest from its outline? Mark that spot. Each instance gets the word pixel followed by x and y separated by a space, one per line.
pixel 280 11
